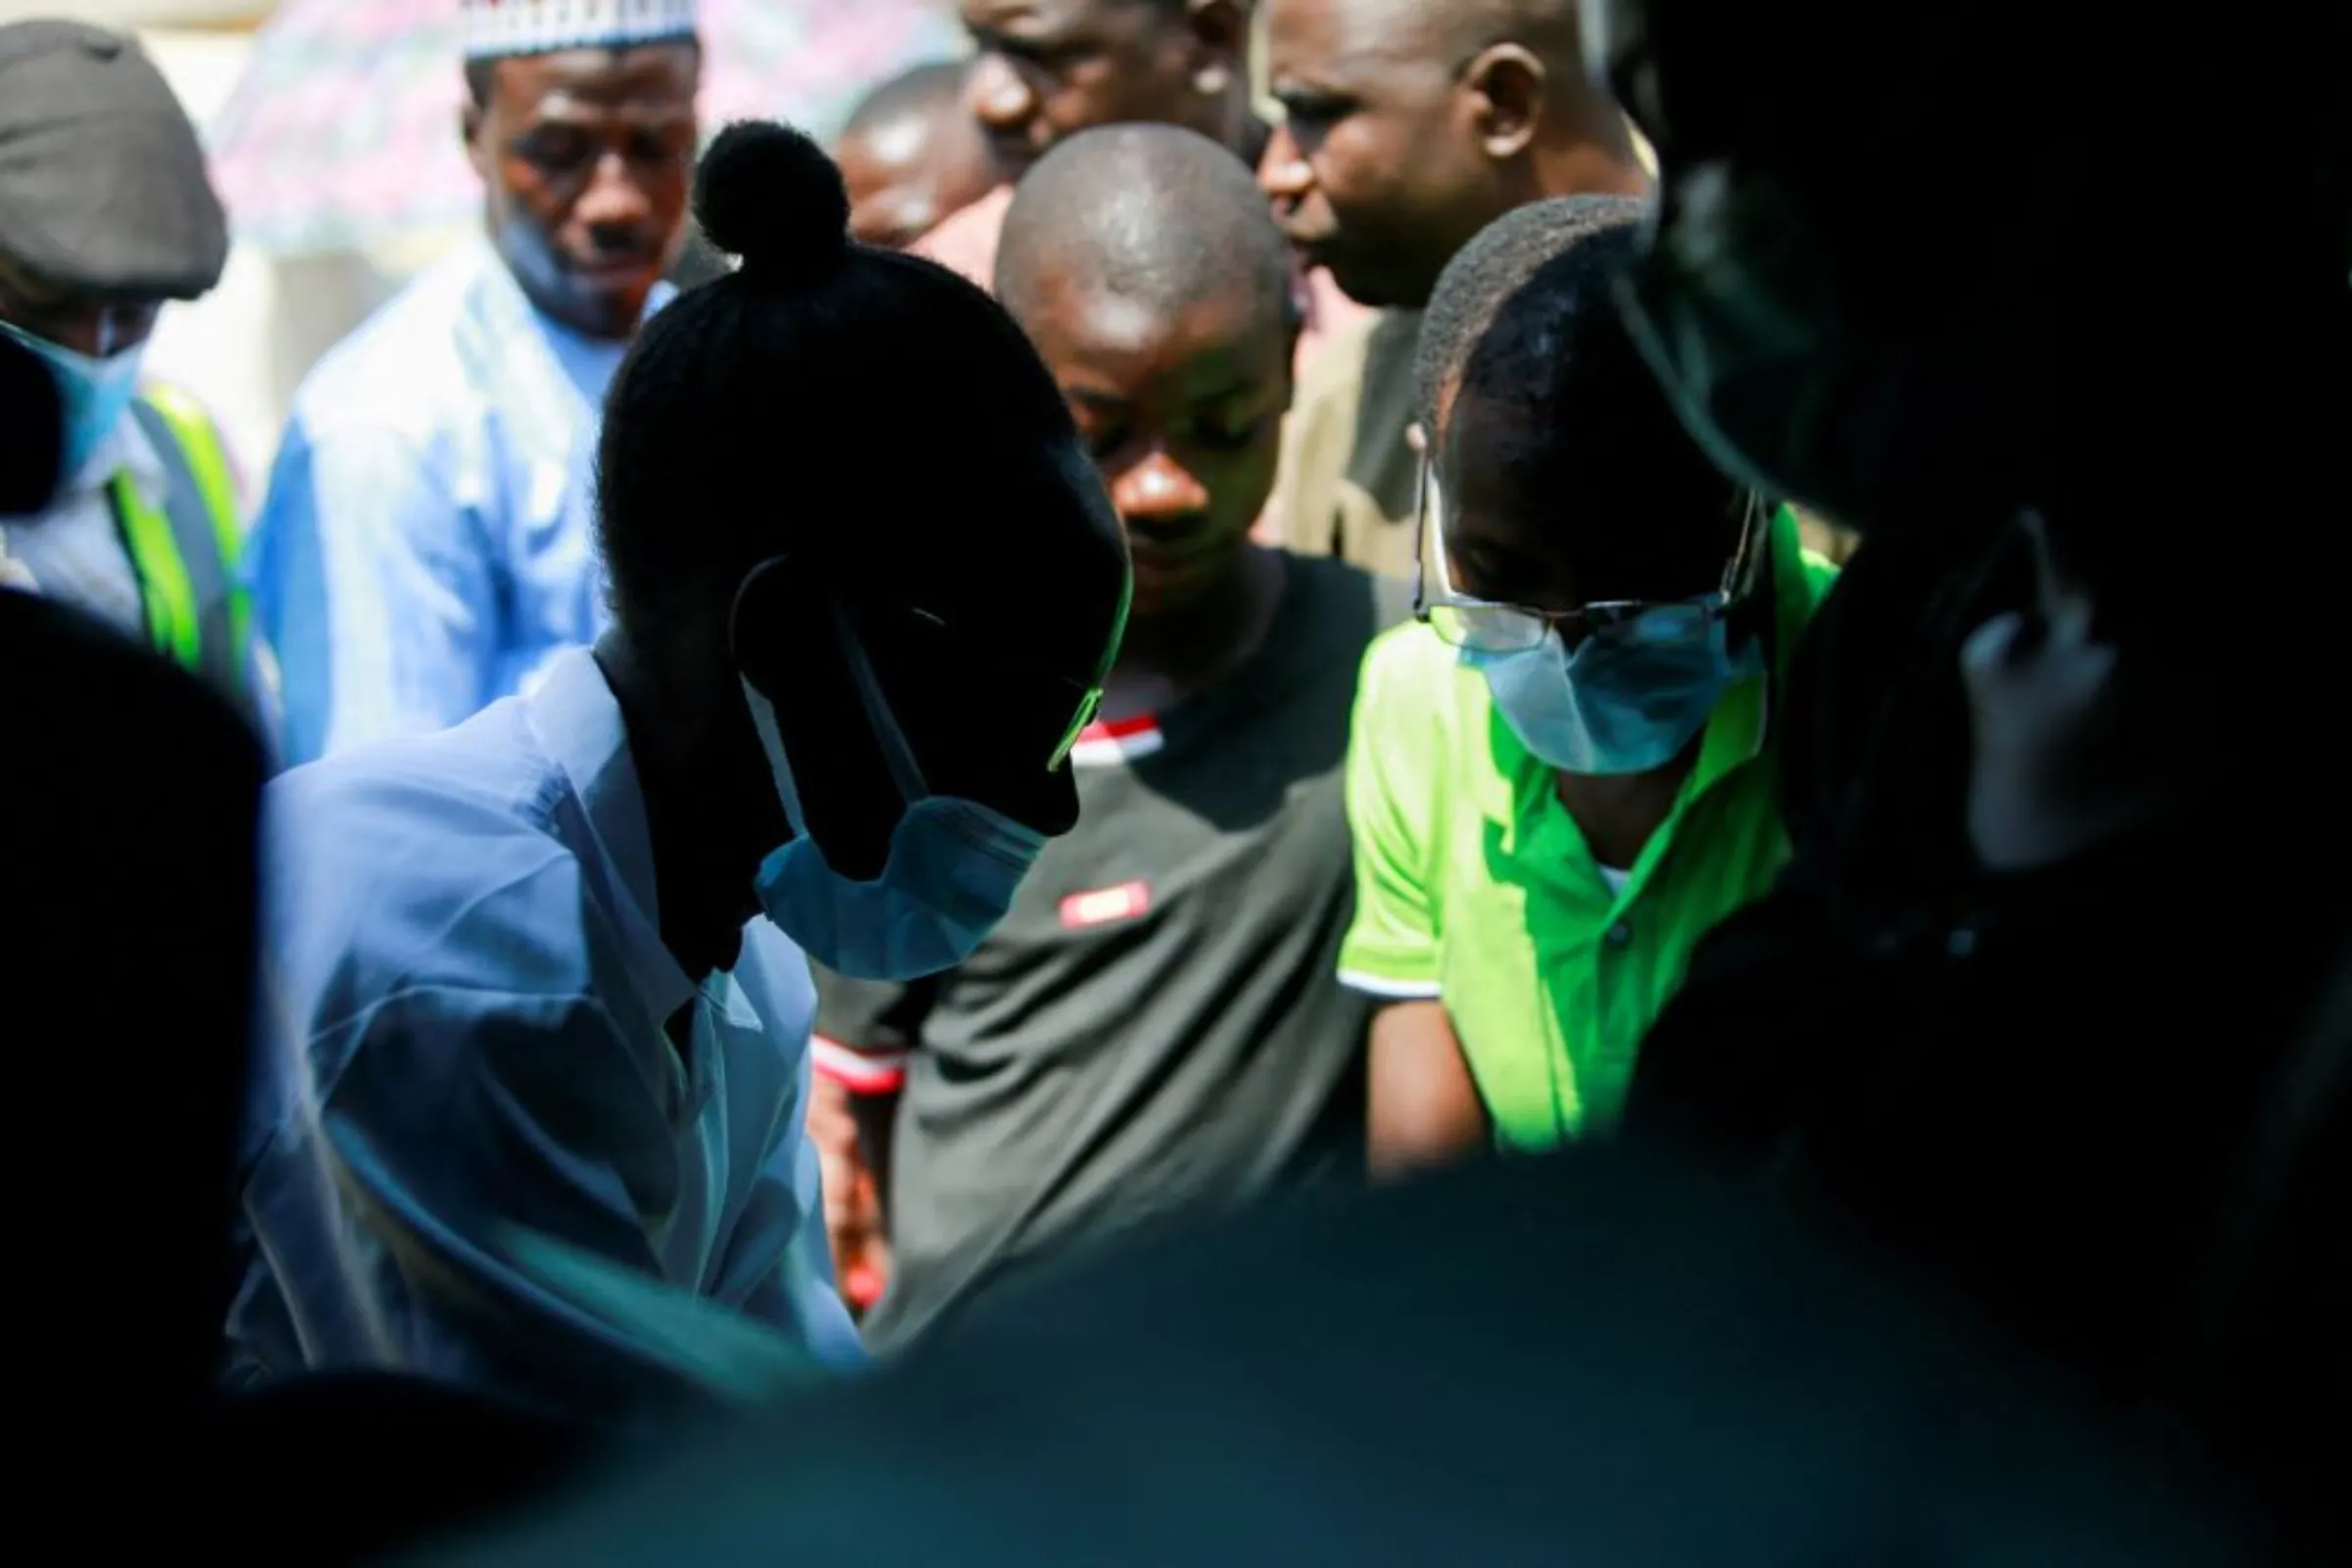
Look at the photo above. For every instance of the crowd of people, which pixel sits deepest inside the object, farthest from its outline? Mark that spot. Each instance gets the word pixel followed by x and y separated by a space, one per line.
pixel 1138 677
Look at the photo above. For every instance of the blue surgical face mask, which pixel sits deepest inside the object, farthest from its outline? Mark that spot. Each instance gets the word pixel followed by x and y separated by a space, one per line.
pixel 1615 705
pixel 1627 698
pixel 952 873
pixel 96 393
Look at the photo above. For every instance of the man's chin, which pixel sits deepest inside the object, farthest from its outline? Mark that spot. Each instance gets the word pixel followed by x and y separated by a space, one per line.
pixel 605 303
pixel 1368 286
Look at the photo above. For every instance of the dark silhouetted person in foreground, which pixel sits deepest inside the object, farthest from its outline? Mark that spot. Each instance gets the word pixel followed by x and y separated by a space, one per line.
pixel 2012 1014
pixel 1580 1359
pixel 125 941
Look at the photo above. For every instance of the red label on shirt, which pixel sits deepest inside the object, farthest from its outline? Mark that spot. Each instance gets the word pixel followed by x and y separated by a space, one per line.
pixel 1103 743
pixel 1126 902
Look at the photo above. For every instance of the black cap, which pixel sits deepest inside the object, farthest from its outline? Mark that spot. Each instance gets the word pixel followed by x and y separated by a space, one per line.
pixel 103 188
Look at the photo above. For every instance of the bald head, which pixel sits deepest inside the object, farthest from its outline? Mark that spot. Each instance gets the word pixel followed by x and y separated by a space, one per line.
pixel 919 93
pixel 913 155
pixel 1159 216
pixel 1142 262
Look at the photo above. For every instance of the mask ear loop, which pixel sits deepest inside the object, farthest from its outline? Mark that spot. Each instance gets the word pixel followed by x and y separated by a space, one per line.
pixel 896 755
pixel 1741 577
pixel 905 773
pixel 1746 565
pixel 762 711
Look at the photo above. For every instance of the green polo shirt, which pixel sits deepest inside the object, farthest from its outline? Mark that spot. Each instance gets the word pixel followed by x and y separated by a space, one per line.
pixel 1474 885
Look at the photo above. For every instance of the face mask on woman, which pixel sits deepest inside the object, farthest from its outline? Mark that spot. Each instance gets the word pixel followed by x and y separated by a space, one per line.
pixel 950 875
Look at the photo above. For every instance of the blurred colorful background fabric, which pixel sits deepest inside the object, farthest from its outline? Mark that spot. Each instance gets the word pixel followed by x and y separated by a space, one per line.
pixel 343 131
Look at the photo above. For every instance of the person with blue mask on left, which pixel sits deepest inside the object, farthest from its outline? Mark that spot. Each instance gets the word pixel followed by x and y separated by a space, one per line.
pixel 1562 777
pixel 541 981
pixel 106 213
pixel 426 545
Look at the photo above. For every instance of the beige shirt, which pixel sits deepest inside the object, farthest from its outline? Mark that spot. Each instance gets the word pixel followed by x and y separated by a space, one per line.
pixel 1349 476
pixel 1825 539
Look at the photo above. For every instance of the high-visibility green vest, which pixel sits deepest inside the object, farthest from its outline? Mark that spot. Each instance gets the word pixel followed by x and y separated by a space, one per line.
pixel 185 552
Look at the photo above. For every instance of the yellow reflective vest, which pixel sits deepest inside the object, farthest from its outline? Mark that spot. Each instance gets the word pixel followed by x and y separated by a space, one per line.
pixel 185 551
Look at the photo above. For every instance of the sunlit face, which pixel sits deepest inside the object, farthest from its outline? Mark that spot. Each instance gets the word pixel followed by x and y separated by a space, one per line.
pixel 1183 417
pixel 908 172
pixel 1375 171
pixel 588 158
pixel 1044 70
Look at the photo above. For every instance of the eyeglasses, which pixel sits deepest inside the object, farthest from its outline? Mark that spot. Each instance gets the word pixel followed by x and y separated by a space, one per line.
pixel 1487 626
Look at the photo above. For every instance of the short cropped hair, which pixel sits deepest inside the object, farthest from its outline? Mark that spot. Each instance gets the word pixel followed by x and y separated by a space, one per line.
pixel 1526 320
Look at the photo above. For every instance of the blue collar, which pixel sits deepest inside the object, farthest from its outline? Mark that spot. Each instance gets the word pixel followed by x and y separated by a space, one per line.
pixel 577 719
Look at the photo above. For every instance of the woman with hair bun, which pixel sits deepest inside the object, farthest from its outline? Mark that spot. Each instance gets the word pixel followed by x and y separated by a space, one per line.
pixel 544 975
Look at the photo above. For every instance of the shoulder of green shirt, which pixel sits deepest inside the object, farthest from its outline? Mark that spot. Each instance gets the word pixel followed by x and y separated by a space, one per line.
pixel 1412 670
pixel 1397 798
pixel 1415 696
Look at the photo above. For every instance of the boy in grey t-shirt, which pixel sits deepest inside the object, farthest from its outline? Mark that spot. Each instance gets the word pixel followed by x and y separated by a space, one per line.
pixel 1155 1027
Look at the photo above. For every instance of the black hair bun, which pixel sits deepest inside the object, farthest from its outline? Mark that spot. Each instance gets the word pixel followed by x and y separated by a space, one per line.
pixel 767 193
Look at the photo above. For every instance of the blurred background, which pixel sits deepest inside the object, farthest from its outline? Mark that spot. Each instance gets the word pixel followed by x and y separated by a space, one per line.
pixel 333 125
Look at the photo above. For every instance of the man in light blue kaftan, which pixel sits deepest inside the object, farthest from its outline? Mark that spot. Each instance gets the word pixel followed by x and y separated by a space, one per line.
pixel 425 547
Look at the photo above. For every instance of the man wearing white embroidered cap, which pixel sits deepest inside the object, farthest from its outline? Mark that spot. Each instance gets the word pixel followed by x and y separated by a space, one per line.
pixel 425 549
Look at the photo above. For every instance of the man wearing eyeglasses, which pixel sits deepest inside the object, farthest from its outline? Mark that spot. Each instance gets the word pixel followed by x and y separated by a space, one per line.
pixel 1560 779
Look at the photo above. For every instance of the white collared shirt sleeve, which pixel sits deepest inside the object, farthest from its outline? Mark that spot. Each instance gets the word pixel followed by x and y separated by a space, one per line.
pixel 457 1116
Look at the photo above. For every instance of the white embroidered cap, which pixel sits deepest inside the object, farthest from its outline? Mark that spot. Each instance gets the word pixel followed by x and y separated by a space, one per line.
pixel 499 28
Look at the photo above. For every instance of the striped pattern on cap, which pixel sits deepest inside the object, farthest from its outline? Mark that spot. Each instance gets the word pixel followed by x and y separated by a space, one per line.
pixel 500 27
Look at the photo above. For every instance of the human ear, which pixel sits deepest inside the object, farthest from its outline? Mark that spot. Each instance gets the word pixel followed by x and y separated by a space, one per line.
pixel 1220 40
pixel 1508 86
pixel 472 119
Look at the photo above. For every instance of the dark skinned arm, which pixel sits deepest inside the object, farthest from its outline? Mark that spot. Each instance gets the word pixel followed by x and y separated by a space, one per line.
pixel 851 1134
pixel 866 1031
pixel 1425 1108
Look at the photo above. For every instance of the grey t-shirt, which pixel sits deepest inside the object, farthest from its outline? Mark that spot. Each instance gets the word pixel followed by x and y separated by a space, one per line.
pixel 1155 1027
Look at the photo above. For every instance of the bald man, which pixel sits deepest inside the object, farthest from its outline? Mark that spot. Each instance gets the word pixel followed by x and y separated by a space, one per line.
pixel 912 154
pixel 1155 1027
pixel 1410 125
pixel 1043 71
